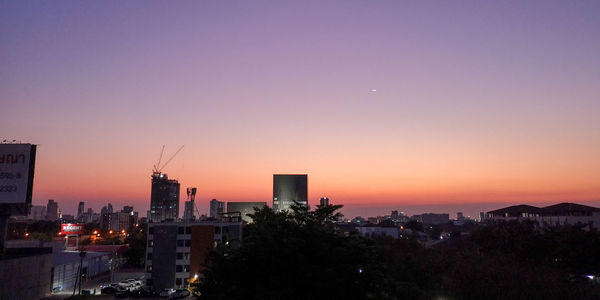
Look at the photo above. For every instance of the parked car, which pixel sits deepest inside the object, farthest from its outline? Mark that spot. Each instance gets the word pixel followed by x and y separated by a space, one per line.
pixel 110 288
pixel 167 293
pixel 143 292
pixel 180 294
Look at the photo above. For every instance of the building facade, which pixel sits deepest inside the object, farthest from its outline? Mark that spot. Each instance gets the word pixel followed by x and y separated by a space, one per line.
pixel 52 212
pixel 558 214
pixel 217 208
pixel 289 189
pixel 164 199
pixel 244 208
pixel 175 251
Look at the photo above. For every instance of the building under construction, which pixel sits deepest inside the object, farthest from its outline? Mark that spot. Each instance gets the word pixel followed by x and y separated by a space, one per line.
pixel 164 200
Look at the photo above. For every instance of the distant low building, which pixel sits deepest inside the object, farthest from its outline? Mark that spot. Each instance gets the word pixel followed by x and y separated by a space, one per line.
pixel 378 231
pixel 431 218
pixel 37 213
pixel 558 214
pixel 244 208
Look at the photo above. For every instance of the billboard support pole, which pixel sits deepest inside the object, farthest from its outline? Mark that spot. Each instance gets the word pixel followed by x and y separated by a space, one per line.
pixel 3 232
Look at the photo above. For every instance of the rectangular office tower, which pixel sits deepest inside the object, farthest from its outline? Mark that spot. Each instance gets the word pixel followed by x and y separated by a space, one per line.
pixel 164 200
pixel 289 189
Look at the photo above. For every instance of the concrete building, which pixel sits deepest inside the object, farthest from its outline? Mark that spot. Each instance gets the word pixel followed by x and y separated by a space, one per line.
pixel 26 273
pixel 378 231
pixel 164 199
pixel 289 189
pixel 37 213
pixel 217 208
pixel 66 267
pixel 431 218
pixel 80 210
pixel 558 214
pixel 176 250
pixel 52 211
pixel 118 221
pixel 244 208
pixel 324 201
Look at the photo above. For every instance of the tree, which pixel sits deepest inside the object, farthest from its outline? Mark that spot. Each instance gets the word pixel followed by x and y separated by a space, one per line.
pixel 296 255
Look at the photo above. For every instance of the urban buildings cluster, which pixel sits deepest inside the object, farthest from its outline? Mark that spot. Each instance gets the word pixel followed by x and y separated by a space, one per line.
pixel 177 246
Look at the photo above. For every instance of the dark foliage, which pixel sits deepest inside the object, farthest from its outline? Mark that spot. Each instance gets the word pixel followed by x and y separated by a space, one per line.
pixel 299 255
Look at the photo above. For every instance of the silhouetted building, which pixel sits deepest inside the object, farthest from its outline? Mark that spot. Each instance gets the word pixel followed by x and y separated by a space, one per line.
pixel 558 214
pixel 164 200
pixel 244 208
pixel 289 189
pixel 127 209
pixel 52 212
pixel 188 209
pixel 324 201
pixel 460 216
pixel 217 208
pixel 481 216
pixel 80 210
pixel 37 213
pixel 431 218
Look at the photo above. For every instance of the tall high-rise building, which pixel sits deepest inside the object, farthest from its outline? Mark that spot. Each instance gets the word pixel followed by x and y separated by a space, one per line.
pixel 164 199
pixel 52 211
pixel 289 189
pixel 324 201
pixel 217 208
pixel 127 209
pixel 80 210
pixel 110 208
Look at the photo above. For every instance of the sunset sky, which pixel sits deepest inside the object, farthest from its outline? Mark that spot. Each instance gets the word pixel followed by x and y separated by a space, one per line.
pixel 411 105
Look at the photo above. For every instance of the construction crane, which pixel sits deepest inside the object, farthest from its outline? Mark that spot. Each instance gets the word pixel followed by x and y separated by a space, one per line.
pixel 158 168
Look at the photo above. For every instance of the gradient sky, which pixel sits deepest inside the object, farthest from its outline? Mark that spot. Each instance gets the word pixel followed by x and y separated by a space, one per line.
pixel 478 104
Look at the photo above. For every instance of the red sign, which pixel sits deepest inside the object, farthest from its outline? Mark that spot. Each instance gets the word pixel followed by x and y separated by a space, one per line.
pixel 72 228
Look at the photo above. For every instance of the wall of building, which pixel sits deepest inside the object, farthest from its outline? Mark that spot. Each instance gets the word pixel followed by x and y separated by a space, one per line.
pixel 26 277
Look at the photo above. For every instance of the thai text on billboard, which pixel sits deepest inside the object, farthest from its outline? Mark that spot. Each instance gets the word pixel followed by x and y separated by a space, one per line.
pixel 16 173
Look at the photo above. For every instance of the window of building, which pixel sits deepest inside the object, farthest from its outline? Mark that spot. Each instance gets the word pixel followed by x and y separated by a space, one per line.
pixel 149 269
pixel 179 255
pixel 150 243
pixel 180 230
pixel 179 243
pixel 178 281
pixel 186 256
pixel 149 255
pixel 151 230
pixel 217 230
pixel 186 268
pixel 188 230
pixel 179 268
pixel 188 243
pixel 185 282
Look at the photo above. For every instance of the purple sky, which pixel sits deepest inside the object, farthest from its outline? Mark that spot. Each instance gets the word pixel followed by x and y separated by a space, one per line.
pixel 476 101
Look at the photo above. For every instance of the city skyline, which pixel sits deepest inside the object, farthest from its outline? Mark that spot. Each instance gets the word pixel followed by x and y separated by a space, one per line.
pixel 384 105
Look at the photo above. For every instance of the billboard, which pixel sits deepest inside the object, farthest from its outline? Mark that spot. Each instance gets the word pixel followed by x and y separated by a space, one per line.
pixel 72 228
pixel 17 162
